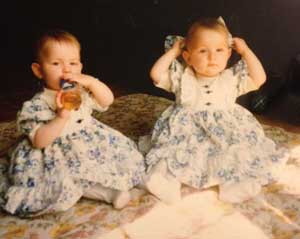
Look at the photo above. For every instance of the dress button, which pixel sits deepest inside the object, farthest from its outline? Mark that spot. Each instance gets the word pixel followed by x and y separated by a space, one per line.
pixel 208 104
pixel 208 92
pixel 206 86
pixel 79 121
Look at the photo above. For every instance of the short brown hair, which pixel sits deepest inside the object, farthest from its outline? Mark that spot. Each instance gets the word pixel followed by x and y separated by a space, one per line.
pixel 55 35
pixel 205 23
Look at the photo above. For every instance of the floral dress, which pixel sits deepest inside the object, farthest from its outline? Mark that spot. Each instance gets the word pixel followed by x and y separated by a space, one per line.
pixel 206 138
pixel 86 153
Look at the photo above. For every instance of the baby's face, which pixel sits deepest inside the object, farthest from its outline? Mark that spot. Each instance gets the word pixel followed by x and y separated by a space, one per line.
pixel 59 61
pixel 209 53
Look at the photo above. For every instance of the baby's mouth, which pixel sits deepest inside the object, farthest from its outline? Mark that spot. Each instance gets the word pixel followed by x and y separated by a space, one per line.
pixel 212 64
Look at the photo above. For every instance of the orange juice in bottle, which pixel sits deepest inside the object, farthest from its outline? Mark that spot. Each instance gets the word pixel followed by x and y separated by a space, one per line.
pixel 71 98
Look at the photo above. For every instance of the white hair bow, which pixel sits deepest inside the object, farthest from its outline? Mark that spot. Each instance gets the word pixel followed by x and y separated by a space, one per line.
pixel 230 40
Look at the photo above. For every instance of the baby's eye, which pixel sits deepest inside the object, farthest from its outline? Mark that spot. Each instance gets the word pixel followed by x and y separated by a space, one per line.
pixel 202 51
pixel 220 49
pixel 55 63
pixel 73 63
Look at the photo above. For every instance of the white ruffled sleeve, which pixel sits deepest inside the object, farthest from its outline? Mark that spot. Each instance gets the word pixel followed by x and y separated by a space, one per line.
pixel 33 115
pixel 171 83
pixel 176 68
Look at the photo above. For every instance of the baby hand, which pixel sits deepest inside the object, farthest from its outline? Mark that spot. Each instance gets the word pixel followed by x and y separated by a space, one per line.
pixel 61 111
pixel 84 80
pixel 178 46
pixel 240 45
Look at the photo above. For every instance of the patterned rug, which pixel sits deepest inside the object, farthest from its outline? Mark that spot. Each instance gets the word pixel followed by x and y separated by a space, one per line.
pixel 278 215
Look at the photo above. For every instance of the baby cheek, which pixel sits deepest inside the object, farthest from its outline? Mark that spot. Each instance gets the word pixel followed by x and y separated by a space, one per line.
pixel 223 65
pixel 77 70
pixel 199 68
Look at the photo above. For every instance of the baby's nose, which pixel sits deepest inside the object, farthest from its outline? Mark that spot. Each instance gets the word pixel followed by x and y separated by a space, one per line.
pixel 66 68
pixel 211 56
pixel 66 75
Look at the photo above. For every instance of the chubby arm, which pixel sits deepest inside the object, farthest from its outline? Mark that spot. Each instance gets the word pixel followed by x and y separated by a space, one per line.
pixel 255 68
pixel 160 70
pixel 47 133
pixel 102 94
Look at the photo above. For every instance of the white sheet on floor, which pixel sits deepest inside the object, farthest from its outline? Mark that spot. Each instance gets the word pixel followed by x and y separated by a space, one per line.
pixel 198 215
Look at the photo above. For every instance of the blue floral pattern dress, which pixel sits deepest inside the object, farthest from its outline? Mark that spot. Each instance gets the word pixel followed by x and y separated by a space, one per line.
pixel 206 138
pixel 86 153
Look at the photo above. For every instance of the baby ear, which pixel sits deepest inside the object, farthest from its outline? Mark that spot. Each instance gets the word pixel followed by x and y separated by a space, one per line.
pixel 230 52
pixel 186 56
pixel 36 69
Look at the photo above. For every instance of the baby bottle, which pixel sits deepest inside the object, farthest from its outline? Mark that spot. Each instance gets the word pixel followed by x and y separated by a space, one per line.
pixel 70 98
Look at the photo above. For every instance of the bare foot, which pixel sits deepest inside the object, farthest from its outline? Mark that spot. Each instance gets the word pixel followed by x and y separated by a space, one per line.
pixel 165 190
pixel 122 199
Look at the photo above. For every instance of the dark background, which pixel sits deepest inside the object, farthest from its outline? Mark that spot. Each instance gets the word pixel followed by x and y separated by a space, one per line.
pixel 122 39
